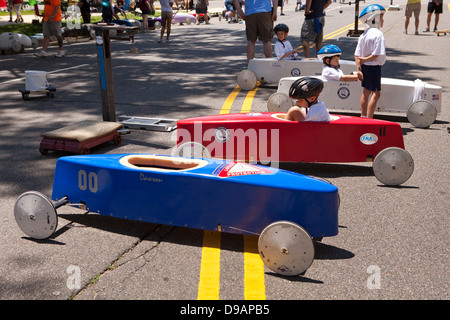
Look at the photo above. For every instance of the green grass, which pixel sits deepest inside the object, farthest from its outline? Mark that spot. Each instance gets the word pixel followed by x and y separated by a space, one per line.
pixel 31 29
pixel 23 28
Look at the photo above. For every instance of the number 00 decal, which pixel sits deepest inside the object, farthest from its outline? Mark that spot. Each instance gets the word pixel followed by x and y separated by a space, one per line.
pixel 87 181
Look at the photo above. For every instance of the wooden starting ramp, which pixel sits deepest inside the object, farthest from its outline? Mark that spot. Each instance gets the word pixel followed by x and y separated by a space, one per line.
pixel 80 137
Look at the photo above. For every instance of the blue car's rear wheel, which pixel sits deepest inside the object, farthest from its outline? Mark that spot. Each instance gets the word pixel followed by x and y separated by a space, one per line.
pixel 286 248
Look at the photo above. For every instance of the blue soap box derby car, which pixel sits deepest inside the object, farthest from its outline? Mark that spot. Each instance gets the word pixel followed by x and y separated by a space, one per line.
pixel 286 209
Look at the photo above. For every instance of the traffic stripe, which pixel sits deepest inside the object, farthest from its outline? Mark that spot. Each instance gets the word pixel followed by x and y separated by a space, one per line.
pixel 229 102
pixel 209 284
pixel 254 285
pixel 254 282
pixel 247 105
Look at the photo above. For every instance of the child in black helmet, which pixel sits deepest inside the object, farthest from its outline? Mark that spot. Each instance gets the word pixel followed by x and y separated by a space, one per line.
pixel 307 91
pixel 283 48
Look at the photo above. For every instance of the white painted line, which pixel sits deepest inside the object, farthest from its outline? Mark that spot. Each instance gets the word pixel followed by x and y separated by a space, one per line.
pixel 56 71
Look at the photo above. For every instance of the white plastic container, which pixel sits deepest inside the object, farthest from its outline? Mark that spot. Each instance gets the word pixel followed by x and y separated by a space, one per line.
pixel 36 80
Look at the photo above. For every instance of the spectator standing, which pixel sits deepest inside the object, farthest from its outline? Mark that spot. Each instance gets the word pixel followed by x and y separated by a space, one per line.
pixel 10 9
pixel 51 26
pixel 201 7
pixel 281 5
pixel 146 7
pixel 85 9
pixel 166 19
pixel 436 7
pixel 231 10
pixel 412 7
pixel 259 18
pixel 107 13
pixel 312 28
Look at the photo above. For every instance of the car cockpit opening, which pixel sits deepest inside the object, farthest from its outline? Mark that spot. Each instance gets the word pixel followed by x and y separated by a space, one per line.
pixel 161 163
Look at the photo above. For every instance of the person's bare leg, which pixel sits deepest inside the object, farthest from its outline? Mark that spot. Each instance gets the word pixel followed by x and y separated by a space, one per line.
pixel 436 20
pixel 364 102
pixel 169 28
pixel 373 103
pixel 250 50
pixel 163 28
pixel 306 48
pixel 45 43
pixel 267 47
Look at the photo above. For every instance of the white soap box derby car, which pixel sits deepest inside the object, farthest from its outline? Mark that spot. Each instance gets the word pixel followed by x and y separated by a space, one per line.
pixel 271 70
pixel 16 41
pixel 418 100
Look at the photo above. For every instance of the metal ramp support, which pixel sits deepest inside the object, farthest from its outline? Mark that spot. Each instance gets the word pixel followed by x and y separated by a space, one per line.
pixel 144 123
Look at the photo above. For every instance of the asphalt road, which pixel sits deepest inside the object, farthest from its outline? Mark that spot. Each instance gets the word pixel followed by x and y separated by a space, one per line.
pixel 392 242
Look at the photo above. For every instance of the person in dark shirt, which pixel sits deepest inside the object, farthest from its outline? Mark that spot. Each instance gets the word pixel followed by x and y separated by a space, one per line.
pixel 312 28
pixel 85 9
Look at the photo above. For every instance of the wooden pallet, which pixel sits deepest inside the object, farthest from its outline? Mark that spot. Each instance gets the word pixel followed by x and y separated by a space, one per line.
pixel 80 137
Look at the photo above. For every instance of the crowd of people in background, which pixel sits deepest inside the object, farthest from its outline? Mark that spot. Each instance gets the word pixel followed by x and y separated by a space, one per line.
pixel 259 15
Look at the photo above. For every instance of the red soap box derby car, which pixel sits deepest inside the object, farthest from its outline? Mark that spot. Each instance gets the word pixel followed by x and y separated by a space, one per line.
pixel 269 138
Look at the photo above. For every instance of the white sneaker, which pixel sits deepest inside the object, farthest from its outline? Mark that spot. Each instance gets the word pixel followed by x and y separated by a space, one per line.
pixel 41 53
pixel 60 54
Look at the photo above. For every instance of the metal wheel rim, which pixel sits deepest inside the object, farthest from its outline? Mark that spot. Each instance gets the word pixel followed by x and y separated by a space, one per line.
pixel 279 102
pixel 286 248
pixel 393 166
pixel 192 150
pixel 247 80
pixel 35 215
pixel 421 113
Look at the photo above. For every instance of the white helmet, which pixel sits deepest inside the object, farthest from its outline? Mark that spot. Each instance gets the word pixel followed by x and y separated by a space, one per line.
pixel 371 15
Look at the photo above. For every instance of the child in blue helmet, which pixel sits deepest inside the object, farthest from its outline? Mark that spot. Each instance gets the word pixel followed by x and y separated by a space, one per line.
pixel 370 55
pixel 283 48
pixel 330 55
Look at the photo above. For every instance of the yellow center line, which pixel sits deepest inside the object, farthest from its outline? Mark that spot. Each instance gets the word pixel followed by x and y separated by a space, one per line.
pixel 339 31
pixel 228 103
pixel 247 105
pixel 209 284
pixel 254 285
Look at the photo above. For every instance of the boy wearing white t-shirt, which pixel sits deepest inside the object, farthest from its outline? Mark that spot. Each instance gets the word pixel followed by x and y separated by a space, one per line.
pixel 308 106
pixel 370 55
pixel 283 48
pixel 330 55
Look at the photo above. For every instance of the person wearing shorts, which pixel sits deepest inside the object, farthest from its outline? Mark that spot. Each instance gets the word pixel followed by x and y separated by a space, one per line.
pixel 201 7
pixel 434 6
pixel 17 7
pixel 146 7
pixel 370 55
pixel 231 11
pixel 166 19
pixel 51 26
pixel 312 28
pixel 259 18
pixel 412 7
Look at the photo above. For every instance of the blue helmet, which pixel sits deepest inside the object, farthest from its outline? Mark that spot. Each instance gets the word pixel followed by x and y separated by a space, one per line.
pixel 371 12
pixel 329 51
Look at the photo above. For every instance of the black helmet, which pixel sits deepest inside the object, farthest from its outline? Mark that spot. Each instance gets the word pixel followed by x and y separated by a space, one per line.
pixel 305 87
pixel 281 27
